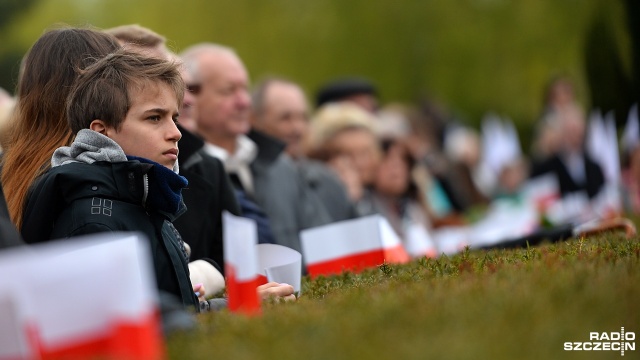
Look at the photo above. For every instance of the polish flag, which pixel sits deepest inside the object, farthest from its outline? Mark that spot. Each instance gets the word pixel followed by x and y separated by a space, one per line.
pixel 351 245
pixel 241 263
pixel 89 297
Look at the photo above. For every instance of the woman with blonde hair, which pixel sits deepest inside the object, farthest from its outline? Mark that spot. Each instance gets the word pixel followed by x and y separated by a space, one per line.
pixel 344 136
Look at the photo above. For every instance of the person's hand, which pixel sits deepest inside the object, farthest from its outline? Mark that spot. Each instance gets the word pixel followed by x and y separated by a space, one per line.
pixel 199 290
pixel 349 176
pixel 277 291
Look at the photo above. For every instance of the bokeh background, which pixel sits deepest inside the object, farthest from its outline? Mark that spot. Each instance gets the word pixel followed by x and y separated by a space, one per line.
pixel 470 56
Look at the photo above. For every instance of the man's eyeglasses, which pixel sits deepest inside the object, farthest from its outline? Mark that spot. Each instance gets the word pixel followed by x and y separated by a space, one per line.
pixel 194 88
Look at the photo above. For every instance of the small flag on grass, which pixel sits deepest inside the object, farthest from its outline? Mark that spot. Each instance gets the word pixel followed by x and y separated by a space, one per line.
pixel 241 263
pixel 351 245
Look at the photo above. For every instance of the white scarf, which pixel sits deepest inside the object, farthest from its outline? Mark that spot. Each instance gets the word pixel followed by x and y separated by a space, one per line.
pixel 238 162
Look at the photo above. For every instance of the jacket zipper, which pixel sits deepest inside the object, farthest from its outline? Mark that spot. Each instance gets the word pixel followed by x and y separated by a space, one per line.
pixel 145 181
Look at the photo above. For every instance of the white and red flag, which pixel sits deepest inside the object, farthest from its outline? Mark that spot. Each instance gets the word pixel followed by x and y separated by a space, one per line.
pixel 90 297
pixel 241 263
pixel 351 245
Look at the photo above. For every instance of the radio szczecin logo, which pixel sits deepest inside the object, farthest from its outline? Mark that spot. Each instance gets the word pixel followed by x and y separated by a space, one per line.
pixel 606 341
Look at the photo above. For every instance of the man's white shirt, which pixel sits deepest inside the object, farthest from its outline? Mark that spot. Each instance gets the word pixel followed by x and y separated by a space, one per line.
pixel 238 162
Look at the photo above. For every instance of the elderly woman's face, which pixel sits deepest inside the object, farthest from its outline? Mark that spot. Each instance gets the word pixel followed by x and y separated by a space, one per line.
pixel 362 148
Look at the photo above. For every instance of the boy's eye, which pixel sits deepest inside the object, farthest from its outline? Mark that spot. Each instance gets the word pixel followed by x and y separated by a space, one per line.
pixel 175 119
pixel 154 118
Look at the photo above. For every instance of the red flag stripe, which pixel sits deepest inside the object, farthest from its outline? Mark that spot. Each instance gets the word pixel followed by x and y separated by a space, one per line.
pixel 396 255
pixel 242 295
pixel 262 279
pixel 358 262
pixel 125 340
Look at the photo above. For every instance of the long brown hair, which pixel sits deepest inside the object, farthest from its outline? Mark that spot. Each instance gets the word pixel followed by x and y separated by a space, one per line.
pixel 40 125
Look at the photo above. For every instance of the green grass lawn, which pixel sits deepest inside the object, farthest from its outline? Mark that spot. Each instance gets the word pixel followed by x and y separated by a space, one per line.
pixel 499 304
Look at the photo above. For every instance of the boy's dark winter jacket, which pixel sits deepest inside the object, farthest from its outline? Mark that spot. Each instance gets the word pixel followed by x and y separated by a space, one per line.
pixel 77 198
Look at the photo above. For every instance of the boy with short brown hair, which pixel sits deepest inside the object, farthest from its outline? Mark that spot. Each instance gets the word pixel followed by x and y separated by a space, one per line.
pixel 120 173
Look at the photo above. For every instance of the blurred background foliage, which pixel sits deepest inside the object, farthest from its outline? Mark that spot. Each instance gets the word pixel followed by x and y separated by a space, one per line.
pixel 472 56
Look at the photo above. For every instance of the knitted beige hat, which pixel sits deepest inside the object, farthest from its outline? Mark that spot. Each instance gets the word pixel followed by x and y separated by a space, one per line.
pixel 333 118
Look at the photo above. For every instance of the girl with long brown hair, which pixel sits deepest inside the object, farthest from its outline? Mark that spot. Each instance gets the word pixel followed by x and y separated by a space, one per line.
pixel 39 123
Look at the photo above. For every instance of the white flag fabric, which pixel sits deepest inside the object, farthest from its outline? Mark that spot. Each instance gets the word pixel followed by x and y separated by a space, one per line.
pixel 602 144
pixel 418 241
pixel 504 220
pixel 611 163
pixel 351 245
pixel 500 142
pixel 452 239
pixel 88 297
pixel 492 141
pixel 280 264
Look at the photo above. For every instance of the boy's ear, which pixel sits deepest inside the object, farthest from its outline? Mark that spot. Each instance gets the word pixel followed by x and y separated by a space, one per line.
pixel 98 125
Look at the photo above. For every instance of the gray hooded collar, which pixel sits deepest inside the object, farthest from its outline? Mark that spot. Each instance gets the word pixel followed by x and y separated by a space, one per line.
pixel 90 146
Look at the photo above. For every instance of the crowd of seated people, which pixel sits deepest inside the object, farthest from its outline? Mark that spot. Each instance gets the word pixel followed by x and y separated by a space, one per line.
pixel 101 108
